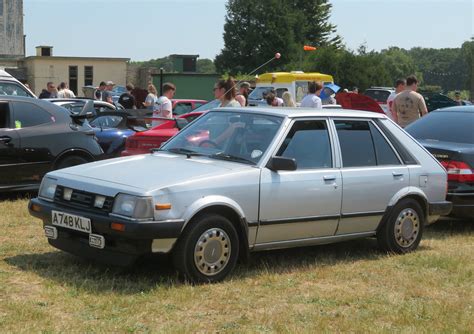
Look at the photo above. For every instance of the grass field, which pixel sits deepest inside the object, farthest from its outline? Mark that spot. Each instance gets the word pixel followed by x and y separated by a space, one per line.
pixel 345 287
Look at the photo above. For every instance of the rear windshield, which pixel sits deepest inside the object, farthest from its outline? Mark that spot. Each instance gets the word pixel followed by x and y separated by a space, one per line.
pixel 378 95
pixel 456 127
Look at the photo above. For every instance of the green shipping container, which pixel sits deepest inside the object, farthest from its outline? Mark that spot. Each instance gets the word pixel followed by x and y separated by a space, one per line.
pixel 190 85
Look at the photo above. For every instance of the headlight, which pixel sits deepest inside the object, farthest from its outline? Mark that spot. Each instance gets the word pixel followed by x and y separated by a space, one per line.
pixel 47 188
pixel 133 206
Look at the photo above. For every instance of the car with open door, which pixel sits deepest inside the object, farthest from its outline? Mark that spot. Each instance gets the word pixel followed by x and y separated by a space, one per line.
pixel 240 180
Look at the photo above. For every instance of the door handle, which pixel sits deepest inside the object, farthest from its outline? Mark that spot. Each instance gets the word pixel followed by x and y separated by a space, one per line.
pixel 5 139
pixel 395 174
pixel 329 177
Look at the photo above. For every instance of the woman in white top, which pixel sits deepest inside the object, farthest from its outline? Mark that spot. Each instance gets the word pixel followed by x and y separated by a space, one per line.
pixel 224 90
pixel 151 98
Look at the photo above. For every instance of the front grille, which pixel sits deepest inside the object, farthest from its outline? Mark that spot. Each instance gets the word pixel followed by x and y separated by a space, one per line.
pixel 83 200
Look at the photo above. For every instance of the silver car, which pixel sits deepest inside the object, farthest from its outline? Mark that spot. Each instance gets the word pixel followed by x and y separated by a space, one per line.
pixel 239 180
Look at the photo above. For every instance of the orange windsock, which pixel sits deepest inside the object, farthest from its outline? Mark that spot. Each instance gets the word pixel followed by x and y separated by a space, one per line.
pixel 309 48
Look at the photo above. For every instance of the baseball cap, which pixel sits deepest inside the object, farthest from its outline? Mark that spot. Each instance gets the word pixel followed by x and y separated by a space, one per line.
pixel 110 83
pixel 244 84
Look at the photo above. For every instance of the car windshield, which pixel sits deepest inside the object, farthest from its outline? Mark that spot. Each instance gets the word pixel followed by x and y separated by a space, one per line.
pixel 209 105
pixel 448 126
pixel 234 136
pixel 258 92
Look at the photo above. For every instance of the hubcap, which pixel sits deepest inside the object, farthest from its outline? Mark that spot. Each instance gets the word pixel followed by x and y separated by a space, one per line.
pixel 212 251
pixel 407 227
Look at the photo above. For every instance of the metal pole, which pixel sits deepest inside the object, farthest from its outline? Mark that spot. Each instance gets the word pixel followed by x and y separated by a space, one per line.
pixel 161 81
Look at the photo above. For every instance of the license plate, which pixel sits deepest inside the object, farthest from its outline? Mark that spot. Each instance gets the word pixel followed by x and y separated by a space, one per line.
pixel 72 222
pixel 51 232
pixel 96 241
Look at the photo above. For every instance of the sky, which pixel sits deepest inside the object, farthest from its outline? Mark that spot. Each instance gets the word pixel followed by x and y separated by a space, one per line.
pixel 148 29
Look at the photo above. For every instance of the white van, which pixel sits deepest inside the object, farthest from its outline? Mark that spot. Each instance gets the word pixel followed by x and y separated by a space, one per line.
pixel 295 82
pixel 11 86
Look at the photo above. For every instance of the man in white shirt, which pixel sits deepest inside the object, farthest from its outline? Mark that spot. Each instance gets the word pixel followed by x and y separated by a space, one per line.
pixel 163 106
pixel 312 99
pixel 400 85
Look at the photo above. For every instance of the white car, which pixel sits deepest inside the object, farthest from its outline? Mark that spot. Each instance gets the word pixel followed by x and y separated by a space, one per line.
pixel 238 180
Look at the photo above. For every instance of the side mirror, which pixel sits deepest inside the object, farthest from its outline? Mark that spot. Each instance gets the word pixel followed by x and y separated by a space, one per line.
pixel 281 163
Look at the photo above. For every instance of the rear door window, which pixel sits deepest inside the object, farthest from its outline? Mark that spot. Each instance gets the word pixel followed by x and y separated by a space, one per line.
pixel 356 143
pixel 28 114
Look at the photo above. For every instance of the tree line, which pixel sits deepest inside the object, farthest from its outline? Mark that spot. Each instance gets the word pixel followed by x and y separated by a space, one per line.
pixel 255 30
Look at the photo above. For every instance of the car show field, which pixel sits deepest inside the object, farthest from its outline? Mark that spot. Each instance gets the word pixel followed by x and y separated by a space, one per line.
pixel 349 286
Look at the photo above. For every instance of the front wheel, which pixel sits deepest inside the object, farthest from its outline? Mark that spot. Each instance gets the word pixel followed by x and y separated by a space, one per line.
pixel 208 249
pixel 402 231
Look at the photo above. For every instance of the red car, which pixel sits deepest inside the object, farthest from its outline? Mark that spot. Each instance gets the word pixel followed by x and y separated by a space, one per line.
pixel 143 142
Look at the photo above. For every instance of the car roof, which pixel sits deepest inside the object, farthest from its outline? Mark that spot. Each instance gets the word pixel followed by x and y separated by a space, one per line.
pixel 305 112
pixel 468 109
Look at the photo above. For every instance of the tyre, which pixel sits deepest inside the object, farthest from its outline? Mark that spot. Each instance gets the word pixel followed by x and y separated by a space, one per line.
pixel 208 249
pixel 402 231
pixel 71 161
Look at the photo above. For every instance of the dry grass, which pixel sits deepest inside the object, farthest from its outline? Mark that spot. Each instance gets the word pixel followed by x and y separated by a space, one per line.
pixel 346 287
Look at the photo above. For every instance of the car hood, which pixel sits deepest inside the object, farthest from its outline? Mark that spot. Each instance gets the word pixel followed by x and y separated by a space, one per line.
pixel 148 172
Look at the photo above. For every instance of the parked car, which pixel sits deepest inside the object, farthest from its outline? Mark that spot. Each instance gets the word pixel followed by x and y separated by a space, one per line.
pixel 184 106
pixel 256 179
pixel 76 105
pixel 11 86
pixel 143 142
pixel 110 123
pixel 449 135
pixel 437 101
pixel 37 136
pixel 379 94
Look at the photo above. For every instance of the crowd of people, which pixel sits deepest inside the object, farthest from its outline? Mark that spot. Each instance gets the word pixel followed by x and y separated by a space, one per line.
pixel 62 91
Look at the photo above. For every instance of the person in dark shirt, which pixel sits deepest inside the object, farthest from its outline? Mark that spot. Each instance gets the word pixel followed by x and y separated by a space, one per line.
pixel 49 92
pixel 98 92
pixel 127 100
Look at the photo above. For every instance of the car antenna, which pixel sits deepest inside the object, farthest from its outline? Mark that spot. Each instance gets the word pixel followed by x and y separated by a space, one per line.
pixel 276 56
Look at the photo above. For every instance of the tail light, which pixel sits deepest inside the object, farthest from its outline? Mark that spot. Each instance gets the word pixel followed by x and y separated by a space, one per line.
pixel 458 171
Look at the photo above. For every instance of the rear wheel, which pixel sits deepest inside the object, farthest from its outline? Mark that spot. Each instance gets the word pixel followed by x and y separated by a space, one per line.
pixel 208 249
pixel 71 161
pixel 402 231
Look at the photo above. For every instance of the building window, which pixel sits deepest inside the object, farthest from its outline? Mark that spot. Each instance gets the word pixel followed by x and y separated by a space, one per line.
pixel 189 65
pixel 73 79
pixel 88 75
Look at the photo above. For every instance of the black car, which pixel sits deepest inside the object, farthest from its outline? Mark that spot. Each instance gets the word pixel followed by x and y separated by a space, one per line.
pixel 448 134
pixel 437 101
pixel 37 136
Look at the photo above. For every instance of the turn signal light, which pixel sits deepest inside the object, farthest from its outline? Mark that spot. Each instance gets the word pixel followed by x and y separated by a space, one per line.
pixel 35 208
pixel 163 206
pixel 117 227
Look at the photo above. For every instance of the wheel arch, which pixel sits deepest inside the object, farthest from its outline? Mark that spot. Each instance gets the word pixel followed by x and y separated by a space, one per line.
pixel 236 217
pixel 72 152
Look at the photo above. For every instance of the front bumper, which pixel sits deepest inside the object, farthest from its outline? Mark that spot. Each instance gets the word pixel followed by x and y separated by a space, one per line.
pixel 121 247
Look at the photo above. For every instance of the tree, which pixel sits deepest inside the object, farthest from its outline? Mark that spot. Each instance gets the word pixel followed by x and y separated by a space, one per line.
pixel 255 30
pixel 205 66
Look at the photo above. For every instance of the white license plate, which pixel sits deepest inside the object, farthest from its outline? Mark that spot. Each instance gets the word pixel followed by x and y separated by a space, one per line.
pixel 97 241
pixel 72 222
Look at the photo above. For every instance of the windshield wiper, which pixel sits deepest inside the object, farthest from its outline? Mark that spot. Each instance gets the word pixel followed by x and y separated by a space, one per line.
pixel 180 150
pixel 230 157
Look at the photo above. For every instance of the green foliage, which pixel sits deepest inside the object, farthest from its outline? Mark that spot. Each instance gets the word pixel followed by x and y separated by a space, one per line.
pixel 205 66
pixel 255 30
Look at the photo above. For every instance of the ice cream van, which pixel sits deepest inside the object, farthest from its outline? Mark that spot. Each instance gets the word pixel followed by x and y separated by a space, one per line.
pixel 295 82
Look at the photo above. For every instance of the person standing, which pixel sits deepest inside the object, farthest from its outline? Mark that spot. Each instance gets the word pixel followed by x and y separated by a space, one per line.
pixel 243 94
pixel 224 90
pixel 400 85
pixel 409 105
pixel 151 98
pixel 164 107
pixel 288 100
pixel 312 99
pixel 50 91
pixel 127 100
pixel 457 98
pixel 64 92
pixel 107 92
pixel 99 91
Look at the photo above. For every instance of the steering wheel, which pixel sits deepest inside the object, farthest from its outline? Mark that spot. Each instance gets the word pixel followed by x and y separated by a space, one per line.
pixel 208 143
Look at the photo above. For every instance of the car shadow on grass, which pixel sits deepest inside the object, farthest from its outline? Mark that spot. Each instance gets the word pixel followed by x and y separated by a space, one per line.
pixel 157 272
pixel 448 227
pixel 17 195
